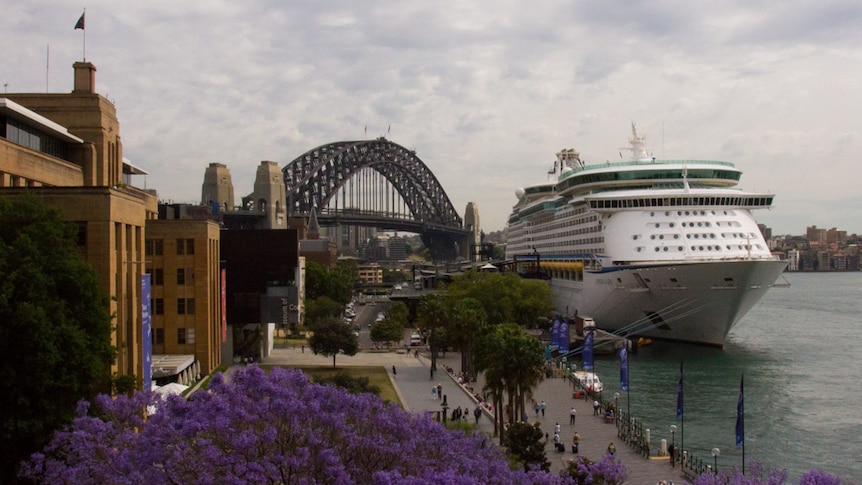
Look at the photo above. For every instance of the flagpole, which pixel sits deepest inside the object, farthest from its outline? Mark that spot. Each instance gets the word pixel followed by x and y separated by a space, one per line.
pixel 47 66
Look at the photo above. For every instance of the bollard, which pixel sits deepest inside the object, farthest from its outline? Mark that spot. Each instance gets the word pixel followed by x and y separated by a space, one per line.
pixel 663 447
pixel 646 441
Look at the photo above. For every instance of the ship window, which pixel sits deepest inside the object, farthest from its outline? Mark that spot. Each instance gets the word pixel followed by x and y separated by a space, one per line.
pixel 667 213
pixel 639 249
pixel 656 249
pixel 676 236
pixel 657 225
pixel 652 237
pixel 680 248
pixel 665 248
pixel 671 224
pixel 661 236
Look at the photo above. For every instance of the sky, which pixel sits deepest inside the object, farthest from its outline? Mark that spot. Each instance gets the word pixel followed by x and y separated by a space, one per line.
pixel 486 93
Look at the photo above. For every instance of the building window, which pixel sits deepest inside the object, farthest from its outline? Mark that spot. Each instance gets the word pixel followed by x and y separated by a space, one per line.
pixel 158 336
pixel 148 247
pixel 158 276
pixel 190 306
pixel 190 335
pixel 158 247
pixel 190 246
pixel 181 306
pixel 181 246
pixel 181 336
pixel 181 276
pixel 159 306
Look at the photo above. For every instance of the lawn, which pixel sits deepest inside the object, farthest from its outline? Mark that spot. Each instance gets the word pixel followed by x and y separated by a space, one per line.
pixel 377 376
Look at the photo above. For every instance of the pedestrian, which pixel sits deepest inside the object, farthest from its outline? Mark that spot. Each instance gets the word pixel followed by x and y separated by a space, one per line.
pixel 394 372
pixel 670 451
pixel 537 409
pixel 557 428
pixel 596 407
pixel 612 450
pixel 303 348
pixel 543 408
pixel 576 440
pixel 434 393
pixel 439 390
pixel 477 413
pixel 572 415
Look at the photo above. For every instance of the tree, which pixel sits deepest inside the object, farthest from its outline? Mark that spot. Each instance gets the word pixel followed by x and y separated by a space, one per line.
pixel 55 333
pixel 399 313
pixel 432 315
pixel 320 308
pixel 274 427
pixel 505 297
pixel 387 330
pixel 512 360
pixel 467 321
pixel 525 445
pixel 609 471
pixel 332 337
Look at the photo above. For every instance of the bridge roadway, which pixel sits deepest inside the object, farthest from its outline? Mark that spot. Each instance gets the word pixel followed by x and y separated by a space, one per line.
pixel 413 384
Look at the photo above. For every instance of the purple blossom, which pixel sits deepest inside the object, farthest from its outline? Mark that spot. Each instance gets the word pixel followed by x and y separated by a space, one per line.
pixel 267 428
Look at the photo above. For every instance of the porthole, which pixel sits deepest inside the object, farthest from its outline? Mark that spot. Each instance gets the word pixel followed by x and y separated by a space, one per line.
pixel 635 237
pixel 696 236
pixel 639 249
pixel 676 236
pixel 652 237
pixel 667 213
pixel 656 249
pixel 699 224
pixel 700 247
pixel 683 224
pixel 671 224
pixel 665 248
pixel 661 237
pixel 680 248
pixel 686 213
pixel 652 214
pixel 657 225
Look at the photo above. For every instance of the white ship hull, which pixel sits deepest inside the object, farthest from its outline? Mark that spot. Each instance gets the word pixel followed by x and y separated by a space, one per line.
pixel 685 302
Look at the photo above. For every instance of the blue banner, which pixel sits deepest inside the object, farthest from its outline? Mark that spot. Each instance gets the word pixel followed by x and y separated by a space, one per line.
pixel 679 395
pixel 564 336
pixel 555 334
pixel 740 417
pixel 146 334
pixel 624 368
pixel 588 351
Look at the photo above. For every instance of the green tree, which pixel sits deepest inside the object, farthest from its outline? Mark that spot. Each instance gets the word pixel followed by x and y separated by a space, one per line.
pixel 321 308
pixel 506 297
pixel 399 313
pixel 466 322
pixel 387 330
pixel 432 316
pixel 524 444
pixel 514 361
pixel 55 333
pixel 332 337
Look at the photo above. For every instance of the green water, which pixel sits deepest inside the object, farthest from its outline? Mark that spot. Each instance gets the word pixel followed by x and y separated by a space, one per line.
pixel 798 350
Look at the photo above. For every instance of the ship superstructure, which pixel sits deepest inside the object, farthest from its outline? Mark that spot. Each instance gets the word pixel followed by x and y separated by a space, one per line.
pixel 667 249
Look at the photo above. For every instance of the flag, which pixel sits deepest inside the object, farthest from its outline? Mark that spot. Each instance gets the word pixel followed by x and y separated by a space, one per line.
pixel 588 351
pixel 740 416
pixel 679 395
pixel 624 369
pixel 80 23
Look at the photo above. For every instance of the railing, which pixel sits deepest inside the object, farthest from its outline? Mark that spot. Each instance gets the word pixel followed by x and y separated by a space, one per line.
pixel 630 430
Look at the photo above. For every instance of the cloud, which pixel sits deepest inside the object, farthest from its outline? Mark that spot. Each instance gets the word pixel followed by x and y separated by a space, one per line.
pixel 486 96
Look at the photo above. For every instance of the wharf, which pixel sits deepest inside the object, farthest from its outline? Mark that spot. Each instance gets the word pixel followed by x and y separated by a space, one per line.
pixel 413 385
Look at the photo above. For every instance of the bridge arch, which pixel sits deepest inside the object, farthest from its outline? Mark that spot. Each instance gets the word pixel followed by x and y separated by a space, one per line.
pixel 313 178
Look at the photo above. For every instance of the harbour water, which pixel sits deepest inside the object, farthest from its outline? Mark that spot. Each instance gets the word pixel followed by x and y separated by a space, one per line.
pixel 799 353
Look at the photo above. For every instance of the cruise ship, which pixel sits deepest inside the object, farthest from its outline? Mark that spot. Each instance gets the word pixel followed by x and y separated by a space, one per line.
pixel 666 249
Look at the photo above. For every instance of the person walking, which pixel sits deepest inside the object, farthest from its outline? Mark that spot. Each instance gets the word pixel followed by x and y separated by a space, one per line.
pixel 557 428
pixel 434 393
pixel 596 407
pixel 394 372
pixel 537 409
pixel 576 440
pixel 612 450
pixel 572 415
pixel 477 413
pixel 543 405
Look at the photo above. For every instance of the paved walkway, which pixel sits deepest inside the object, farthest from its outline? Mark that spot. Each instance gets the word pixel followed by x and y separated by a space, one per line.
pixel 413 384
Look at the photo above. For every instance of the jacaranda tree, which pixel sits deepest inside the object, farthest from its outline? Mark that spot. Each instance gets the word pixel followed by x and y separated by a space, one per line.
pixel 267 428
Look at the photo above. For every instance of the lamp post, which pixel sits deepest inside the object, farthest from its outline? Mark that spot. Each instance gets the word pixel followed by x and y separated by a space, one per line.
pixel 673 445
pixel 715 453
pixel 616 403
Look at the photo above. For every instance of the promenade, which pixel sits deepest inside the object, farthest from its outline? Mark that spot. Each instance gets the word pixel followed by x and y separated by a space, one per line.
pixel 413 385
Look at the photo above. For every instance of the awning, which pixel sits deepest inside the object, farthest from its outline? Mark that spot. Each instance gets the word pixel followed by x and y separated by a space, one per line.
pixel 170 364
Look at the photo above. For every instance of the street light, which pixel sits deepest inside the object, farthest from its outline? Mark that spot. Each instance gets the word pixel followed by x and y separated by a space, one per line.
pixel 715 453
pixel 672 444
pixel 616 403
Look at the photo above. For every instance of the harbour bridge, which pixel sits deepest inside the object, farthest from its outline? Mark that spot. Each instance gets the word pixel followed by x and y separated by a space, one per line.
pixel 375 183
